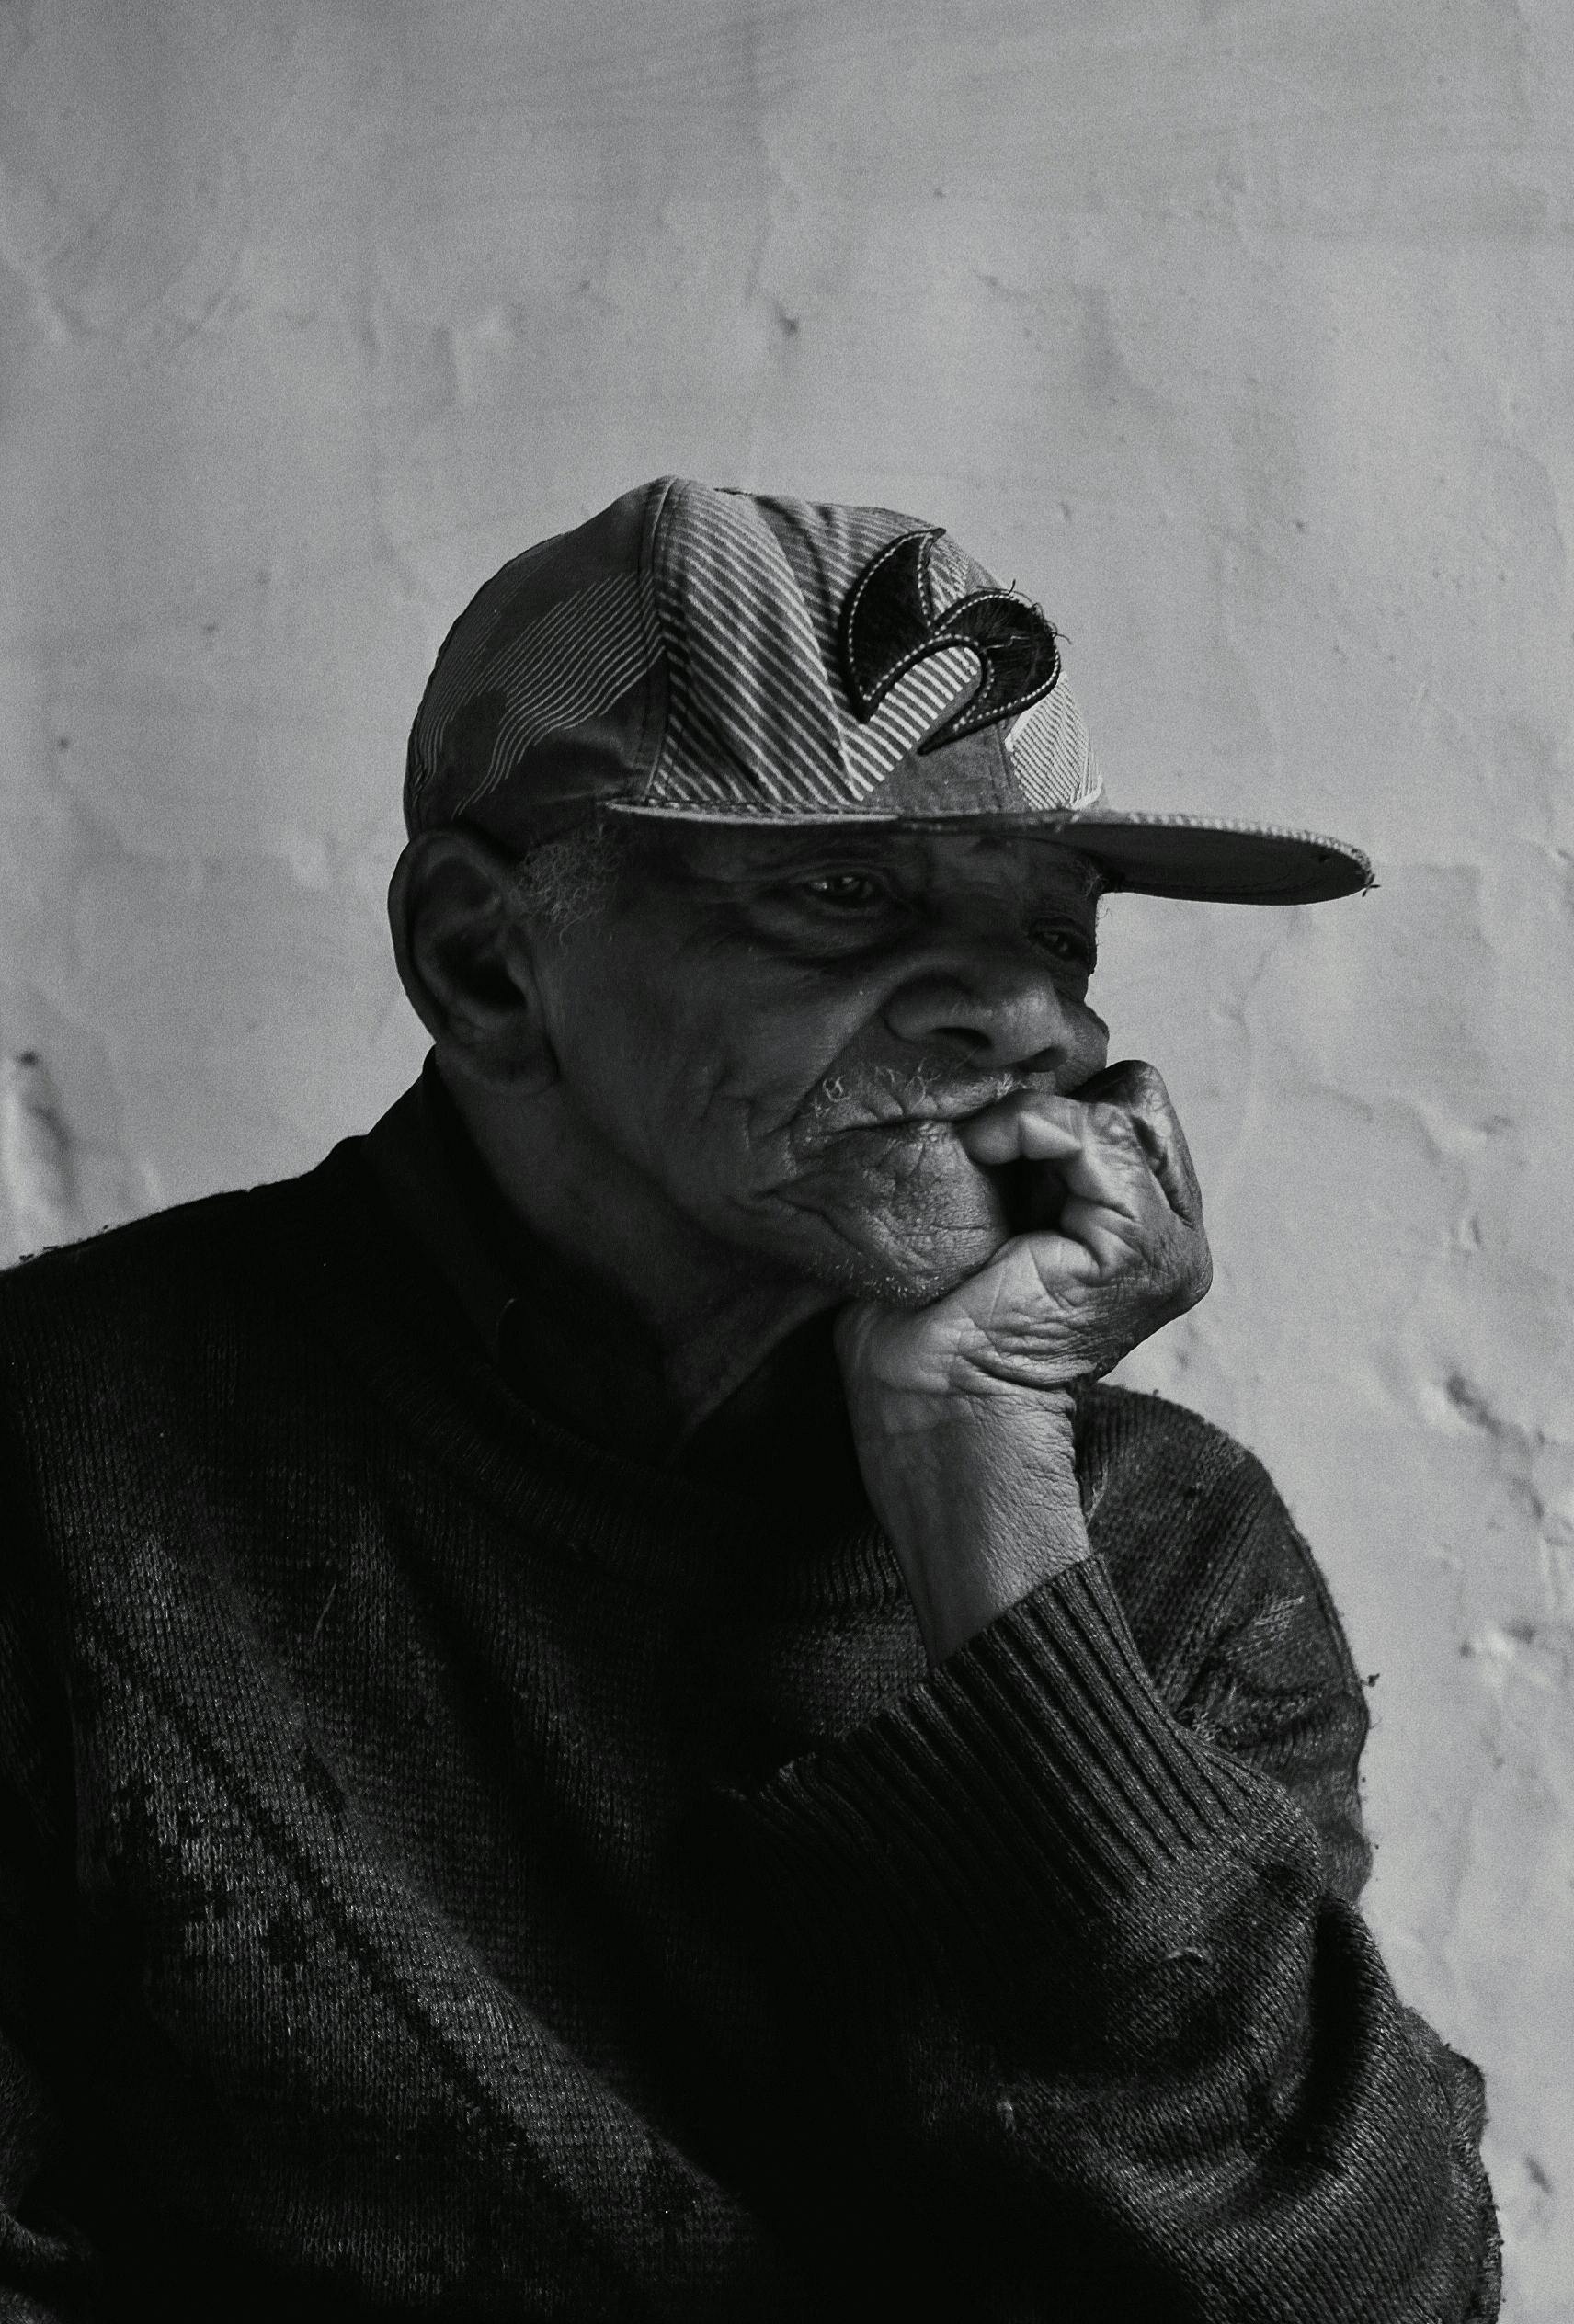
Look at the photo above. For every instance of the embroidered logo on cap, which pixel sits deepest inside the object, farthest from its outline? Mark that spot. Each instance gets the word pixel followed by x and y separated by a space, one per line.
pixel 890 624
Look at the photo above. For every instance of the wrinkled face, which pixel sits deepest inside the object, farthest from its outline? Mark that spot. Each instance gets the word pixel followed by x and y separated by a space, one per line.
pixel 779 1031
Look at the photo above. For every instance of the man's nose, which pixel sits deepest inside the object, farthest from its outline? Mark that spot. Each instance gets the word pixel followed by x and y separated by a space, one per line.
pixel 995 1011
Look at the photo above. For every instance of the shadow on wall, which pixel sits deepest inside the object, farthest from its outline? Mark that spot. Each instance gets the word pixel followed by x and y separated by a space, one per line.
pixel 37 1162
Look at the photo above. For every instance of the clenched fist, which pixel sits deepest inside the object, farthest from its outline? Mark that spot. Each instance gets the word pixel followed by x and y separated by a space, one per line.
pixel 1111 1246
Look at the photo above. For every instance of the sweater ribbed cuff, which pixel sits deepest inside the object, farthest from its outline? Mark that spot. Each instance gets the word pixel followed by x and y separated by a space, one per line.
pixel 1037 1766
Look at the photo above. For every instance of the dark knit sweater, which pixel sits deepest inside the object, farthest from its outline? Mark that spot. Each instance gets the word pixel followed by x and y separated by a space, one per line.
pixel 447 1868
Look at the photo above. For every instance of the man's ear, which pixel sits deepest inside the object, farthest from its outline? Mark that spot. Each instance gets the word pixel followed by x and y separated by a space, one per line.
pixel 466 958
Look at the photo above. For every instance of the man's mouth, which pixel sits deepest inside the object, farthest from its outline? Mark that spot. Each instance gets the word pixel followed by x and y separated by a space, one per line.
pixel 837 1111
pixel 1027 1196
pixel 888 1128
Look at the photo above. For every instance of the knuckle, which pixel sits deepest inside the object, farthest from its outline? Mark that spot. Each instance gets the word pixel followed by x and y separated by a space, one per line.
pixel 1113 1123
pixel 1141 1083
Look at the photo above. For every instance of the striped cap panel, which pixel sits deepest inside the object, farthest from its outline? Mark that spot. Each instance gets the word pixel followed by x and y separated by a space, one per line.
pixel 914 707
pixel 572 663
pixel 1048 747
pixel 827 548
pixel 456 675
pixel 758 727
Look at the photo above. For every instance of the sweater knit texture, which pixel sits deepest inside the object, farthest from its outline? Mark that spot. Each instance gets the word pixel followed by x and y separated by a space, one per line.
pixel 447 1869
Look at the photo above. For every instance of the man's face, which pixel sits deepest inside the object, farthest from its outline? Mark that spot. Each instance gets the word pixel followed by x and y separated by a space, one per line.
pixel 779 1031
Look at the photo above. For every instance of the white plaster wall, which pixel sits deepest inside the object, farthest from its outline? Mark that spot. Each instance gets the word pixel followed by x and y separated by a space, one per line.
pixel 1240 334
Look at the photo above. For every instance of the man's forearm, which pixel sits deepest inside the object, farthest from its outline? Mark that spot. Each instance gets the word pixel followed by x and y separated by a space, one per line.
pixel 978 1499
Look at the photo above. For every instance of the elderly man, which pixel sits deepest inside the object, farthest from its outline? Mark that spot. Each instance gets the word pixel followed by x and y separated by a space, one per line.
pixel 602 1718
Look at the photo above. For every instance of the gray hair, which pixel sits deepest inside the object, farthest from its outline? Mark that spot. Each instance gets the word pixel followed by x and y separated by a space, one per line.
pixel 568 881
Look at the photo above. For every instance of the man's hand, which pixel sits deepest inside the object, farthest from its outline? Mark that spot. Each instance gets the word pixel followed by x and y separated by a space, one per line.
pixel 1120 1250
pixel 961 1411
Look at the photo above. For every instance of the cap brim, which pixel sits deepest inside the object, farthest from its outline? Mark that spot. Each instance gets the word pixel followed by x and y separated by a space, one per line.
pixel 1192 859
pixel 1196 859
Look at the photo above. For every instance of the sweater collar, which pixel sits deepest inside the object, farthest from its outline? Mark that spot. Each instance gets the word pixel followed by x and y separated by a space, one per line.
pixel 444 1202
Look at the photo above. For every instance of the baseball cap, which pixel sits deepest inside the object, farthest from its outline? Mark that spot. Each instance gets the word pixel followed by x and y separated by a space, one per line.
pixel 699 652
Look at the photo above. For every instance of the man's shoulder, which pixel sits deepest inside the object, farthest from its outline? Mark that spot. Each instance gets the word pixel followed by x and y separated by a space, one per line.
pixel 164 1276
pixel 145 1245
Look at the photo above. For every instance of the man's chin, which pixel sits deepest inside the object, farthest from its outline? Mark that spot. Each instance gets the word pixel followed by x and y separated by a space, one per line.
pixel 905 1247
pixel 903 1281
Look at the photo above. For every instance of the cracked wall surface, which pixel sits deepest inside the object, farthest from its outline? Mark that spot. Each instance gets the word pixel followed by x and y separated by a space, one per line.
pixel 1240 334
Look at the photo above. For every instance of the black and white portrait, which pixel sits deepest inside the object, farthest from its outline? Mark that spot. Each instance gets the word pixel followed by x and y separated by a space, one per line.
pixel 786 1464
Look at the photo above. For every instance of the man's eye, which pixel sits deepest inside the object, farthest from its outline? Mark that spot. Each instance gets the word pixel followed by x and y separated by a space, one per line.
pixel 1077 952
pixel 843 891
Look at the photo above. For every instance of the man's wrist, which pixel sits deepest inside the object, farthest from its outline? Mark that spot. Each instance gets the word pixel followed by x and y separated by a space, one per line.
pixel 978 1495
pixel 969 1410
